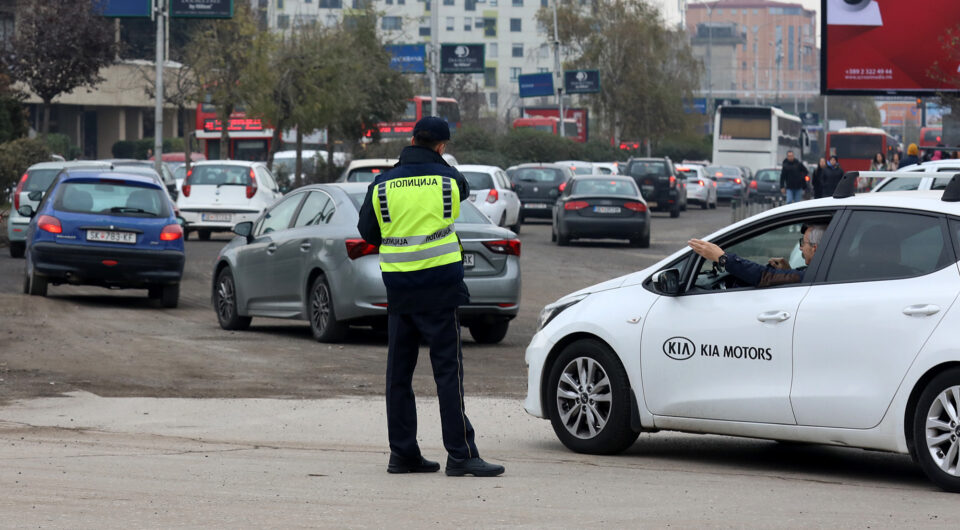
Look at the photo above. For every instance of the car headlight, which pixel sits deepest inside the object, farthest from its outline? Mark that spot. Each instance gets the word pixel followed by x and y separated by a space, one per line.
pixel 551 311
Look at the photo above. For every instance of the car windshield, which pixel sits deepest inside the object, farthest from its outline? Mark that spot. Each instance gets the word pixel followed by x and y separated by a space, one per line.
pixel 285 165
pixel 479 181
pixel 469 214
pixel 723 171
pixel 768 175
pixel 537 174
pixel 39 179
pixel 113 197
pixel 180 172
pixel 603 187
pixel 220 175
pixel 366 174
pixel 646 168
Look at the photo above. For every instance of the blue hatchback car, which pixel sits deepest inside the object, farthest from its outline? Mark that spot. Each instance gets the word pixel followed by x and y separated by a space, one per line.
pixel 105 228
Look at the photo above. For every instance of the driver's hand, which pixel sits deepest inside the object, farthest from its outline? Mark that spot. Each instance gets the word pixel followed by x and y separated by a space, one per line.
pixel 779 263
pixel 706 249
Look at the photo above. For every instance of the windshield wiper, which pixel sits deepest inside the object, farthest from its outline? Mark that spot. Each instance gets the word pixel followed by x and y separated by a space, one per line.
pixel 127 209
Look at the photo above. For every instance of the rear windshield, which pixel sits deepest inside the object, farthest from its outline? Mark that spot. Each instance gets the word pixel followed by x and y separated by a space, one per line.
pixel 479 181
pixel 39 179
pixel 723 171
pixel 366 174
pixel 537 174
pixel 643 168
pixel 604 187
pixel 111 197
pixel 582 169
pixel 690 174
pixel 468 212
pixel 768 175
pixel 220 176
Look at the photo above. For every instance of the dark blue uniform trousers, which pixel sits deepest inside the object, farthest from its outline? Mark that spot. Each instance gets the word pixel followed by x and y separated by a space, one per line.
pixel 441 331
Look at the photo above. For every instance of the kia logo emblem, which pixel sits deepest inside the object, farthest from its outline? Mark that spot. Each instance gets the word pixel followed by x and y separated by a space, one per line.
pixel 679 348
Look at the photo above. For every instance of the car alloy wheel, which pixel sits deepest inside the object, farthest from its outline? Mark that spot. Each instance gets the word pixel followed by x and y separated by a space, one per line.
pixel 943 431
pixel 323 318
pixel 584 397
pixel 225 302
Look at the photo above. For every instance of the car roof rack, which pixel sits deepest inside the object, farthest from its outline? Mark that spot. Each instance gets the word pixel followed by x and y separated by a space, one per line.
pixel 847 186
pixel 952 191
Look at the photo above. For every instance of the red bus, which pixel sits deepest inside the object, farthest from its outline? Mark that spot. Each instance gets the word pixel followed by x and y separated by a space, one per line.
pixel 248 138
pixel 931 136
pixel 579 116
pixel 548 124
pixel 418 107
pixel 855 147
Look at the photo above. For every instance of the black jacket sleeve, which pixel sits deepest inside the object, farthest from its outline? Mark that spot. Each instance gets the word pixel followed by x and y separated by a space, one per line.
pixel 463 185
pixel 760 275
pixel 367 225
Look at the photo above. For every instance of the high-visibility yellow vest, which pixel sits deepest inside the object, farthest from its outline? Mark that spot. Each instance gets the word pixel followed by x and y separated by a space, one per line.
pixel 416 217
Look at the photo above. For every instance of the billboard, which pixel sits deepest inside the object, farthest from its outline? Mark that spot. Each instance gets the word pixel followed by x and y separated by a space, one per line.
pixel 580 116
pixel 461 58
pixel 872 47
pixel 533 85
pixel 581 81
pixel 124 8
pixel 408 58
pixel 201 8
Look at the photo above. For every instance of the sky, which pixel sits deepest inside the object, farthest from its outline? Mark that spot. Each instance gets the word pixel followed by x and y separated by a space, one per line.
pixel 672 13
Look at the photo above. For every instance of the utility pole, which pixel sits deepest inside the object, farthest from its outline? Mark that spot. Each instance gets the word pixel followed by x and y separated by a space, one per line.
pixel 160 15
pixel 434 53
pixel 557 72
pixel 710 104
pixel 756 69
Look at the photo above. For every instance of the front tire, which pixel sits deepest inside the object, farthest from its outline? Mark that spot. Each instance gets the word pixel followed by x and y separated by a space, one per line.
pixel 588 399
pixel 489 333
pixel 225 302
pixel 936 430
pixel 323 317
pixel 17 248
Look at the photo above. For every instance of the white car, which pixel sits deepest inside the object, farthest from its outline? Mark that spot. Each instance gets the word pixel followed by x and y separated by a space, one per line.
pixel 366 169
pixel 217 194
pixel 492 192
pixel 932 182
pixel 606 168
pixel 701 189
pixel 579 167
pixel 863 352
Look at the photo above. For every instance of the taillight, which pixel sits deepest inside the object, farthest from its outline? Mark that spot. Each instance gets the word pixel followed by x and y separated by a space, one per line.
pixel 511 247
pixel 738 181
pixel 185 188
pixel 171 233
pixel 807 178
pixel 673 181
pixel 700 182
pixel 49 224
pixel 252 188
pixel 575 205
pixel 357 248
pixel 562 186
pixel 635 206
pixel 492 196
pixel 16 194
pixel 753 184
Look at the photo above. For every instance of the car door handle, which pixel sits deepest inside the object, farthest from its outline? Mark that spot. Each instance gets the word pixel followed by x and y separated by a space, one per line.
pixel 921 310
pixel 305 246
pixel 773 316
pixel 271 248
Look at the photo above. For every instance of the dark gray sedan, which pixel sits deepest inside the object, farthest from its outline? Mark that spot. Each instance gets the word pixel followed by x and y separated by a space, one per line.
pixel 304 259
pixel 601 207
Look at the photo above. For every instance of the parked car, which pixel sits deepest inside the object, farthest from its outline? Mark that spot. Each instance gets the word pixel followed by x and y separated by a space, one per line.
pixel 658 182
pixel 492 192
pixel 304 259
pixel 29 191
pixel 601 207
pixel 766 185
pixel 731 183
pixel 106 228
pixel 218 194
pixel 701 189
pixel 579 167
pixel 538 186
pixel 606 168
pixel 367 169
pixel 933 180
pixel 781 363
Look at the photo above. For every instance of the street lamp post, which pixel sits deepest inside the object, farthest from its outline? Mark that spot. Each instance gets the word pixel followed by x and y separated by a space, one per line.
pixel 434 53
pixel 557 72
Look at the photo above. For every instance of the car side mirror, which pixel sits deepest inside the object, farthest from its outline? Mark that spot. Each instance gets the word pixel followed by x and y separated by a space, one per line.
pixel 35 195
pixel 26 210
pixel 667 282
pixel 243 229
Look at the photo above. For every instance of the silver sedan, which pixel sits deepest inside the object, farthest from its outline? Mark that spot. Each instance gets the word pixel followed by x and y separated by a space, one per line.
pixel 304 259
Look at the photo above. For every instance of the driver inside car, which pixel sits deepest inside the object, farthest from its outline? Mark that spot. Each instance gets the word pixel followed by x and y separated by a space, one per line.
pixel 777 271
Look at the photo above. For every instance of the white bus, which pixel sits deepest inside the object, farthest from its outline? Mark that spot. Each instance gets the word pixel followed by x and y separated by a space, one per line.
pixel 757 137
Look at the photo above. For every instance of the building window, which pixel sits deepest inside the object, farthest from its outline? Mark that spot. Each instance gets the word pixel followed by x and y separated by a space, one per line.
pixel 401 2
pixel 756 11
pixel 424 26
pixel 517 3
pixel 514 73
pixel 515 24
pixel 733 11
pixel 492 50
pixel 517 50
pixel 391 23
pixel 743 65
pixel 493 3
pixel 283 21
pixel 490 27
pixel 467 24
pixel 543 70
pixel 492 98
pixel 720 11
pixel 332 20
pixel 388 2
pixel 489 77
pixel 544 3
pixel 300 21
pixel 448 2
pixel 330 4
pixel 361 4
pixel 450 23
pixel 470 5
pixel 279 4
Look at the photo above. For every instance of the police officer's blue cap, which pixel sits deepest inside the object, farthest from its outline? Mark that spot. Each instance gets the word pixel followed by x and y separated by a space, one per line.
pixel 432 129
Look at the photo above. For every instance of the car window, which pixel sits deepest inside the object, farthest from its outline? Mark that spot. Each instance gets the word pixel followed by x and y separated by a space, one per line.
pixel 940 183
pixel 39 179
pixel 723 171
pixel 366 174
pixel 112 198
pixel 955 228
pixel 901 184
pixel 545 174
pixel 604 187
pixel 278 218
pixel 220 175
pixel 503 180
pixel 317 209
pixel 646 168
pixel 478 180
pixel 268 181
pixel 603 170
pixel 889 245
pixel 767 175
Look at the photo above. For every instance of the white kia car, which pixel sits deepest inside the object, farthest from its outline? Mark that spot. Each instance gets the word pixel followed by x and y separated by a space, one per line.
pixel 863 352
pixel 937 174
pixel 217 194
pixel 492 192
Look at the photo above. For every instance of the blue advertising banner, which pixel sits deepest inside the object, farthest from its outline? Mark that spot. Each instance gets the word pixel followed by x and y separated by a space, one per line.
pixel 533 85
pixel 695 106
pixel 124 8
pixel 408 58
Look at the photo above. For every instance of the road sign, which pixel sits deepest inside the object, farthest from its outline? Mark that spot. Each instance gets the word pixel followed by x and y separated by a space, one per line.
pixel 810 118
pixel 124 8
pixel 461 58
pixel 533 85
pixel 581 81
pixel 408 58
pixel 201 8
pixel 695 106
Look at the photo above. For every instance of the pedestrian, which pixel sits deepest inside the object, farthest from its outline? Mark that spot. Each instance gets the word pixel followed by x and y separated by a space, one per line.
pixel 879 163
pixel 831 176
pixel 913 156
pixel 793 178
pixel 818 178
pixel 894 161
pixel 409 212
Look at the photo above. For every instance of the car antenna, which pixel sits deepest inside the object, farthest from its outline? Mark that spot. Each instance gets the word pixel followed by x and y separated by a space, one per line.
pixel 847 186
pixel 952 191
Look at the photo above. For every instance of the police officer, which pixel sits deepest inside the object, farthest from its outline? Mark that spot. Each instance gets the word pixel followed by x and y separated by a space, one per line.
pixel 409 212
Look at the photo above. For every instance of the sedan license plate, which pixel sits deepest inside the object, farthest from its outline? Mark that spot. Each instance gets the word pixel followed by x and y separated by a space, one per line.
pixel 111 237
pixel 606 209
pixel 647 190
pixel 468 260
pixel 216 217
pixel 534 205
